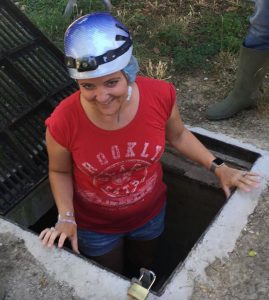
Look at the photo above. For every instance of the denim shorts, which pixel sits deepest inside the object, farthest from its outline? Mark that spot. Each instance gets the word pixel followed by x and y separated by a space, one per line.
pixel 95 244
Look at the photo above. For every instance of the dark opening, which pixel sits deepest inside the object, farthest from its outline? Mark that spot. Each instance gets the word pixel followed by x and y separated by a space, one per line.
pixel 191 207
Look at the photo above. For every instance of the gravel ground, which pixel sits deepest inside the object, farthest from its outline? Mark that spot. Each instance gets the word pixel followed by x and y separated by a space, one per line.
pixel 197 92
pixel 23 277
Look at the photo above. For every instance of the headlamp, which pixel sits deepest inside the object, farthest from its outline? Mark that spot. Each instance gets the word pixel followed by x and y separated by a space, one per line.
pixel 86 64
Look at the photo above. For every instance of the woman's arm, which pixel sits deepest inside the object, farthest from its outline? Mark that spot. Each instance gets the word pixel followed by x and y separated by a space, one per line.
pixel 60 176
pixel 187 144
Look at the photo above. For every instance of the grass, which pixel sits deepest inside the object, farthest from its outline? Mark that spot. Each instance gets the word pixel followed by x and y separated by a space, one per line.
pixel 47 15
pixel 212 35
pixel 169 36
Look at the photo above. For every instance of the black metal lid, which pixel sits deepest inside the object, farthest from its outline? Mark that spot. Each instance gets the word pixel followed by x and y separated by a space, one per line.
pixel 33 80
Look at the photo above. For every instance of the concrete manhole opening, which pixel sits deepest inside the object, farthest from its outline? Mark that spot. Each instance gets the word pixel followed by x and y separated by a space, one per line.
pixel 194 200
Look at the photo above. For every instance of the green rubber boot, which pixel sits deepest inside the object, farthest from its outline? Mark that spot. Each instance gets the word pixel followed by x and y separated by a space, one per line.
pixel 247 90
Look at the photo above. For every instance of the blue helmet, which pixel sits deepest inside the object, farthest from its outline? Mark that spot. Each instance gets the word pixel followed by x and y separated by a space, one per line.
pixel 96 45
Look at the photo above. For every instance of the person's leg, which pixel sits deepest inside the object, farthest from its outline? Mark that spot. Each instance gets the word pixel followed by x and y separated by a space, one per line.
pixel 253 65
pixel 141 245
pixel 106 249
pixel 113 259
pixel 139 254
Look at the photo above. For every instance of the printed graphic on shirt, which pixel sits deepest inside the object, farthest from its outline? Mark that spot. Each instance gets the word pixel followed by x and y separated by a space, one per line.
pixel 122 182
pixel 120 201
pixel 122 178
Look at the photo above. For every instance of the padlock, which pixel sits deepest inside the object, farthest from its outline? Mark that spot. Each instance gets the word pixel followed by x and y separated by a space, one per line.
pixel 137 291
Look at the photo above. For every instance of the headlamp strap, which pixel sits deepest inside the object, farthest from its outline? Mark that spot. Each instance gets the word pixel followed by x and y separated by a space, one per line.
pixel 91 63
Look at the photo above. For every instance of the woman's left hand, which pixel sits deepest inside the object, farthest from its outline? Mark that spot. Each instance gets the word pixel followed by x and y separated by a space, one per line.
pixel 230 177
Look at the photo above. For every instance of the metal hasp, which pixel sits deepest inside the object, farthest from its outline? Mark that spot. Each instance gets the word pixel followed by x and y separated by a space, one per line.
pixel 140 288
pixel 33 80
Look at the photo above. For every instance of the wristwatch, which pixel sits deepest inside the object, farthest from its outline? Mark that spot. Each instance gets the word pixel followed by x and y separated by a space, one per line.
pixel 216 163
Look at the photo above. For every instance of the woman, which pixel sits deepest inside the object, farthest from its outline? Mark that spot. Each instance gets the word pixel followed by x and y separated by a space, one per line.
pixel 105 143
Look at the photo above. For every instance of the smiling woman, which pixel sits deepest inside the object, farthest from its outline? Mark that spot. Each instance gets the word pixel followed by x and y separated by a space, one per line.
pixel 104 144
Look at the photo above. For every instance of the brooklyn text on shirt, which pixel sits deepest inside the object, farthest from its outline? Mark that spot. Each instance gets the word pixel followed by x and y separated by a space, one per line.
pixel 116 153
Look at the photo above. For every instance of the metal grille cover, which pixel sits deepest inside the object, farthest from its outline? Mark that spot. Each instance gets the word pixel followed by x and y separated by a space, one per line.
pixel 33 80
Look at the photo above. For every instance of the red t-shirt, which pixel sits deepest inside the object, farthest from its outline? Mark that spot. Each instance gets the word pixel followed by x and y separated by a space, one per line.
pixel 117 175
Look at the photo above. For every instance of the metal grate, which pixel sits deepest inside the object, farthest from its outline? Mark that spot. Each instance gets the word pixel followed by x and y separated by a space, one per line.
pixel 12 33
pixel 33 80
pixel 41 69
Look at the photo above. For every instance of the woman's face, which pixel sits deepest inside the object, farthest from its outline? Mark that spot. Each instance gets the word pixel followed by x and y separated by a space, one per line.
pixel 105 94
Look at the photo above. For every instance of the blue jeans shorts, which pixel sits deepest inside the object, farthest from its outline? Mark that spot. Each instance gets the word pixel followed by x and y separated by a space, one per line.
pixel 95 244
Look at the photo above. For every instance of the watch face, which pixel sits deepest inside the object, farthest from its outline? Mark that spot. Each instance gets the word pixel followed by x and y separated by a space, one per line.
pixel 218 161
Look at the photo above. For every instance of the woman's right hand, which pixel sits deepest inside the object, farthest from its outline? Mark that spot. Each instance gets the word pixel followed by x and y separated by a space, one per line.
pixel 62 230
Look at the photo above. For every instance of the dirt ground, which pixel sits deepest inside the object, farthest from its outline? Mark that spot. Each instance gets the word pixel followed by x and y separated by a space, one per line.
pixel 196 92
pixel 23 278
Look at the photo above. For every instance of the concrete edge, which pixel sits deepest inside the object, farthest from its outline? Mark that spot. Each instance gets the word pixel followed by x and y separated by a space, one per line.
pixel 227 139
